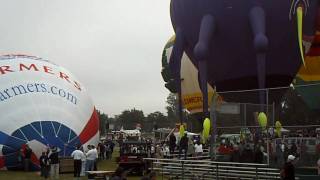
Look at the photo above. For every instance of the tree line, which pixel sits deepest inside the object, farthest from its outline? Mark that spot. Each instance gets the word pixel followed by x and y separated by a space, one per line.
pixel 128 119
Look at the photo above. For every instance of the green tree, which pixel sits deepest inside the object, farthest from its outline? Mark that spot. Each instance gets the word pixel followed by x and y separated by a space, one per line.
pixel 103 120
pixel 172 108
pixel 156 119
pixel 128 119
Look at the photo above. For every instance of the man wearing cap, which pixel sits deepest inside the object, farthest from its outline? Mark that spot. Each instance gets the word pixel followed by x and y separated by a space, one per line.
pixel 287 172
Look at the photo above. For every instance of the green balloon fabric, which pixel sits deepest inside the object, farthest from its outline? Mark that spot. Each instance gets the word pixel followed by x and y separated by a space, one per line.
pixel 263 120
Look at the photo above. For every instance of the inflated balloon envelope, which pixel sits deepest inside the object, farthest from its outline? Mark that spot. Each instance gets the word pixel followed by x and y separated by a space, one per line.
pixel 243 45
pixel 181 131
pixel 42 104
pixel 263 120
pixel 278 127
pixel 308 78
pixel 206 128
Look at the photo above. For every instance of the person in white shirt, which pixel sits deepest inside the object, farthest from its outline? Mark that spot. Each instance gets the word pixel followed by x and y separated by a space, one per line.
pixel 198 149
pixel 92 155
pixel 77 155
pixel 83 164
pixel 97 156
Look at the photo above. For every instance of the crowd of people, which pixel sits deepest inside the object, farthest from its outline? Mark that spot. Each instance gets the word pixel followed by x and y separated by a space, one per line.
pixel 283 154
pixel 84 160
pixel 185 147
pixel 105 149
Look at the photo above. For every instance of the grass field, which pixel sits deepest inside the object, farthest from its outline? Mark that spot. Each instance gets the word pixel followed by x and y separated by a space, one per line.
pixel 102 165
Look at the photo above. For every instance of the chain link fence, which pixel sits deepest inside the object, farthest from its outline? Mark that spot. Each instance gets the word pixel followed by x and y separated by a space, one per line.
pixel 239 136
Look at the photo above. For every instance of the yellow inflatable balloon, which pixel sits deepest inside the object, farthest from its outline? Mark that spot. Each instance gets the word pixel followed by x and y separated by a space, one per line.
pixel 242 135
pixel 181 131
pixel 206 128
pixel 278 126
pixel 263 120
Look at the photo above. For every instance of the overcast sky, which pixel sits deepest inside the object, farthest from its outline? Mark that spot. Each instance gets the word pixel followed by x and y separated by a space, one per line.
pixel 112 46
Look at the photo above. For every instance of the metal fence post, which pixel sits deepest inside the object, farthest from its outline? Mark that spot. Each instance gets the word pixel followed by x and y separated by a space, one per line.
pixel 162 171
pixel 182 166
pixel 217 171
pixel 213 126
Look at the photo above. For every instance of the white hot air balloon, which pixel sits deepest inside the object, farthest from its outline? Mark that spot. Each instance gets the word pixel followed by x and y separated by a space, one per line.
pixel 42 104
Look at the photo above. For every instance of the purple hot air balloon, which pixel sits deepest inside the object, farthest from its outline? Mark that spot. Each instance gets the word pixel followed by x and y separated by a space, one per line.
pixel 242 45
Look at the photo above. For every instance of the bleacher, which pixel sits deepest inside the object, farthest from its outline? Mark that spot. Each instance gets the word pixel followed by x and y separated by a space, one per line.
pixel 207 170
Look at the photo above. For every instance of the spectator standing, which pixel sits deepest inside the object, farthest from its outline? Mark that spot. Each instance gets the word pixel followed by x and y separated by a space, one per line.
pixel 54 163
pixel 288 170
pixel 108 151
pixel 83 163
pixel 198 148
pixel 293 149
pixel 172 143
pixel 183 147
pixel 27 158
pixel 111 146
pixel 44 165
pixel 191 149
pixel 91 157
pixel 247 155
pixel 235 156
pixel 279 155
pixel 258 155
pixel 77 156
pixel 102 150
pixel 97 156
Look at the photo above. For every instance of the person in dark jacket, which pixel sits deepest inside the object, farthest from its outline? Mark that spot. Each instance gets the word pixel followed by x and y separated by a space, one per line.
pixel 172 143
pixel 293 149
pixel 258 155
pixel 102 150
pixel 183 148
pixel 44 165
pixel 247 155
pixel 288 170
pixel 54 163
pixel 235 156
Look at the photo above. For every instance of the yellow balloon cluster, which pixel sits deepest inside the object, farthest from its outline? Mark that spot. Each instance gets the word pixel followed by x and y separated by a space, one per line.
pixel 206 128
pixel 278 128
pixel 263 120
